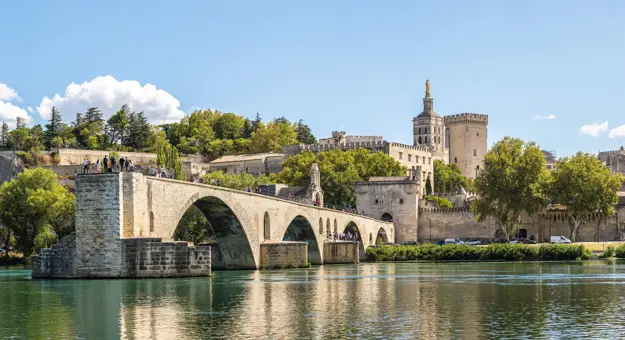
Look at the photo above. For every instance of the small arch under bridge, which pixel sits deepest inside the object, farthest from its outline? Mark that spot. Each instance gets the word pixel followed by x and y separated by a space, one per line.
pixel 241 221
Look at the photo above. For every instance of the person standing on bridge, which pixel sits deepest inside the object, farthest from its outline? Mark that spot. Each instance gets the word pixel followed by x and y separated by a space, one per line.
pixel 105 163
pixel 132 166
pixel 121 164
pixel 114 164
pixel 98 167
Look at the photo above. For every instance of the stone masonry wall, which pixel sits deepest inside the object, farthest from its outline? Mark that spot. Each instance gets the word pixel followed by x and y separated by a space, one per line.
pixel 340 252
pixel 438 224
pixel 149 257
pixel 58 261
pixel 99 217
pixel 283 254
pixel 141 257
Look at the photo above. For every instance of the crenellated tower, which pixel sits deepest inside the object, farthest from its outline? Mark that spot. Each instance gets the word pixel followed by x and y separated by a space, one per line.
pixel 429 128
pixel 466 135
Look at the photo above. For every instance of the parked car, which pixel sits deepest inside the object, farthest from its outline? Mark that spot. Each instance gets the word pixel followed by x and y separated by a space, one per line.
pixel 440 243
pixel 453 241
pixel 559 240
pixel 474 242
pixel 522 241
pixel 502 241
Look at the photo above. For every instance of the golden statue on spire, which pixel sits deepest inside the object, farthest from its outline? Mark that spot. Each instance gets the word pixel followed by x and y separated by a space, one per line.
pixel 427 88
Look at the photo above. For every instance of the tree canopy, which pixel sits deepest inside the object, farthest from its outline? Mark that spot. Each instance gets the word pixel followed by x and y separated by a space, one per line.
pixel 339 171
pixel 448 178
pixel 513 180
pixel 34 205
pixel 585 187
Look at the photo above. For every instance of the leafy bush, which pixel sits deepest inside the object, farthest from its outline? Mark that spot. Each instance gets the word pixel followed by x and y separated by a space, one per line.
pixel 494 252
pixel 620 251
pixel 440 202
pixel 607 253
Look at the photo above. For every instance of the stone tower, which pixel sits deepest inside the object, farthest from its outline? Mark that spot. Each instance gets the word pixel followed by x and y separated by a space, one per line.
pixel 466 135
pixel 314 191
pixel 429 128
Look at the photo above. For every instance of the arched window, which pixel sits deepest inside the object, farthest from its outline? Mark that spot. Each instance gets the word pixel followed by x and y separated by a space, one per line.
pixel 419 139
pixel 426 140
pixel 335 226
pixel 320 226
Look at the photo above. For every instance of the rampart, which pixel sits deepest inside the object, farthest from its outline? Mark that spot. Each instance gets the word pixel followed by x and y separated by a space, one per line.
pixel 440 223
pixel 462 118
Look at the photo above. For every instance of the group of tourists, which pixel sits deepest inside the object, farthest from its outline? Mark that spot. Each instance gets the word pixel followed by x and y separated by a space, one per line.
pixel 162 172
pixel 108 165
pixel 348 236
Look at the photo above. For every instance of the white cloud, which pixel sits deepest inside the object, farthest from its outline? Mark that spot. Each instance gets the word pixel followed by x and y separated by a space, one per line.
pixel 109 94
pixel 8 111
pixel 594 129
pixel 539 117
pixel 617 132
pixel 8 94
pixel 30 109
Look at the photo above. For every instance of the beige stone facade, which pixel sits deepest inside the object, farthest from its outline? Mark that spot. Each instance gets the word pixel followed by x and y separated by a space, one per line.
pixel 393 199
pixel 467 141
pixel 255 164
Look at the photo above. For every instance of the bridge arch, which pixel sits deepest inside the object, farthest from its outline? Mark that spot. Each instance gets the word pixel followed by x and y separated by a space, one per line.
pixel 382 237
pixel 232 237
pixel 352 228
pixel 301 230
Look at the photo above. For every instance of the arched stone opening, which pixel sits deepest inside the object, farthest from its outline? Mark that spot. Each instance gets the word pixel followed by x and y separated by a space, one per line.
pixel 382 237
pixel 336 227
pixel 320 226
pixel 300 230
pixel 387 217
pixel 328 226
pixel 352 228
pixel 370 238
pixel 266 226
pixel 231 247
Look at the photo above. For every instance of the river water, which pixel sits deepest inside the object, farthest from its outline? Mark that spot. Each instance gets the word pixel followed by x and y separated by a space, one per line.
pixel 574 300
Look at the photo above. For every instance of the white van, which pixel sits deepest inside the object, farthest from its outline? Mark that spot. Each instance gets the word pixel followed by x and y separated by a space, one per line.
pixel 559 240
pixel 453 241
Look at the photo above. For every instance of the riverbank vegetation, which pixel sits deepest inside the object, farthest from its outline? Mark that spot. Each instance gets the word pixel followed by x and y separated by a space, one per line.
pixel 493 252
pixel 35 211
pixel 515 179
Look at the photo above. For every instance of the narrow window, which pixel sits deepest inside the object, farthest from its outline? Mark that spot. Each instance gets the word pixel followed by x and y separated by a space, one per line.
pixel 455 159
pixel 409 157
pixel 400 155
pixel 474 152
pixel 401 201
pixel 376 201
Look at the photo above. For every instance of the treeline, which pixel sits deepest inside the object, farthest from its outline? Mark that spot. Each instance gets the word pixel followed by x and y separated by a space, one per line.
pixel 515 179
pixel 207 132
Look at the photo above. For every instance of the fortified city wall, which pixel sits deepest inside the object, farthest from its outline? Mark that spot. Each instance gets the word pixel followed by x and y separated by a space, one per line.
pixel 440 223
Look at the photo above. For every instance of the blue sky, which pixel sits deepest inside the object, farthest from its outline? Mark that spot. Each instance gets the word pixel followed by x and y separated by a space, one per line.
pixel 353 65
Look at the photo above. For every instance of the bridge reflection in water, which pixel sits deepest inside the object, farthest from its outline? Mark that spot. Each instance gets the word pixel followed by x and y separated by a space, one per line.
pixel 410 300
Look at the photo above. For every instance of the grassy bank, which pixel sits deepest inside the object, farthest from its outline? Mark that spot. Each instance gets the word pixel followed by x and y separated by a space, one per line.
pixel 493 252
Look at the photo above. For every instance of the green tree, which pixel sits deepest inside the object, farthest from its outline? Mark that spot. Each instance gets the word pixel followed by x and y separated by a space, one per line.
pixel 585 187
pixel 304 134
pixel 18 137
pixel 339 171
pixel 513 180
pixel 4 136
pixel 428 186
pixel 168 157
pixel 27 203
pixel 193 227
pixel 20 123
pixel 229 126
pixel 138 131
pixel 240 181
pixel 117 125
pixel 54 127
pixel 448 177
pixel 273 136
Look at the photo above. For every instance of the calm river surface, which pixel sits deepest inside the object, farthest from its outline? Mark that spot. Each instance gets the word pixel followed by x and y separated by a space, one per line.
pixel 575 300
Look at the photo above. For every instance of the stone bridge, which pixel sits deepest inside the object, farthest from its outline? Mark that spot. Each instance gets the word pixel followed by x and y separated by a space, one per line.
pixel 241 221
